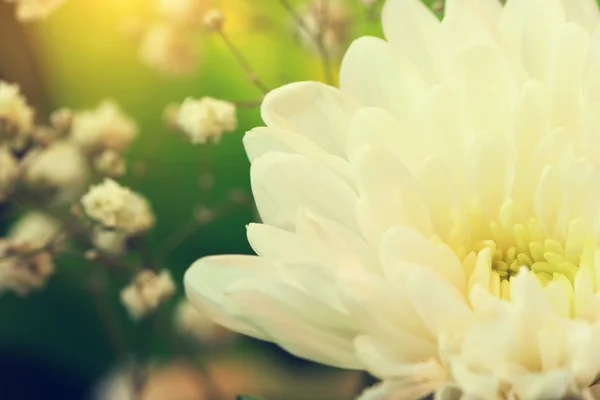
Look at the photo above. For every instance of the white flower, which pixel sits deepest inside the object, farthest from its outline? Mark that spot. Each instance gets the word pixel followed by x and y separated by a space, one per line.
pixel 146 292
pixel 213 19
pixel 117 207
pixel 192 322
pixel 109 241
pixel 110 163
pixel 435 221
pixel 34 231
pixel 31 10
pixel 16 117
pixel 169 49
pixel 104 128
pixel 206 118
pixel 22 273
pixel 9 171
pixel 184 12
pixel 58 166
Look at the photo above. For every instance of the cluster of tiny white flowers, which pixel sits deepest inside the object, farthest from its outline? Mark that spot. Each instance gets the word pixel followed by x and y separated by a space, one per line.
pixel 147 291
pixel 31 10
pixel 169 49
pixel 110 163
pixel 104 128
pixel 25 257
pixel 9 171
pixel 16 116
pixel 117 207
pixel 206 119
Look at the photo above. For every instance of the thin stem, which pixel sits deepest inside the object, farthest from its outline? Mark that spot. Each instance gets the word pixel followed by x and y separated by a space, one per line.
pixel 317 37
pixel 244 63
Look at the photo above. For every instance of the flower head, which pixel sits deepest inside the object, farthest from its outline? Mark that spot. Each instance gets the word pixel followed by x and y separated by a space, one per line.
pixel 117 207
pixel 16 117
pixel 435 220
pixel 104 128
pixel 22 272
pixel 146 292
pixel 9 171
pixel 34 231
pixel 169 49
pixel 206 118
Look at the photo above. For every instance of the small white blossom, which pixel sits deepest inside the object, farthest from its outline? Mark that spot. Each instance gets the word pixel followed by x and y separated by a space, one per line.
pixel 22 273
pixel 30 10
pixel 184 12
pixel 16 117
pixel 192 322
pixel 169 49
pixel 109 241
pixel 206 118
pixel 213 20
pixel 9 171
pixel 118 207
pixel 146 292
pixel 59 166
pixel 104 128
pixel 34 231
pixel 110 164
pixel 329 21
pixel 62 120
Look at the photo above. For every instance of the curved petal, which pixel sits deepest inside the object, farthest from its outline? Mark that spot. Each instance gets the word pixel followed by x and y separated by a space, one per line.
pixel 283 183
pixel 311 109
pixel 207 280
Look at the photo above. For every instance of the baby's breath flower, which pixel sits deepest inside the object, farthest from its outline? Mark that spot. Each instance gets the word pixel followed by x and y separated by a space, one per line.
pixel 16 117
pixel 117 207
pixel 34 231
pixel 213 20
pixel 59 166
pixel 206 118
pixel 9 171
pixel 110 164
pixel 62 120
pixel 109 241
pixel 23 273
pixel 169 49
pixel 104 128
pixel 327 20
pixel 146 292
pixel 183 12
pixel 31 10
pixel 195 324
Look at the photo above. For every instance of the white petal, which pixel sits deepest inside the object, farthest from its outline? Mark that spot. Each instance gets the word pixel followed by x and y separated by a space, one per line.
pixel 402 245
pixel 412 28
pixel 294 321
pixel 480 386
pixel 283 183
pixel 584 12
pixel 208 278
pixel 276 244
pixel 262 140
pixel 400 389
pixel 376 74
pixel 551 385
pixel 314 110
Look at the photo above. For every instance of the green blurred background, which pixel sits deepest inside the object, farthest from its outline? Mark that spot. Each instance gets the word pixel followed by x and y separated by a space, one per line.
pixel 76 58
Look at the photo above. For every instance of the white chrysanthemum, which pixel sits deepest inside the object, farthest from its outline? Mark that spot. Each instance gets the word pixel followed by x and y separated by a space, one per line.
pixel 192 322
pixel 35 231
pixel 169 49
pixel 58 166
pixel 104 128
pixel 146 292
pixel 206 118
pixel 16 117
pixel 184 12
pixel 118 207
pixel 435 221
pixel 9 171
pixel 31 10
